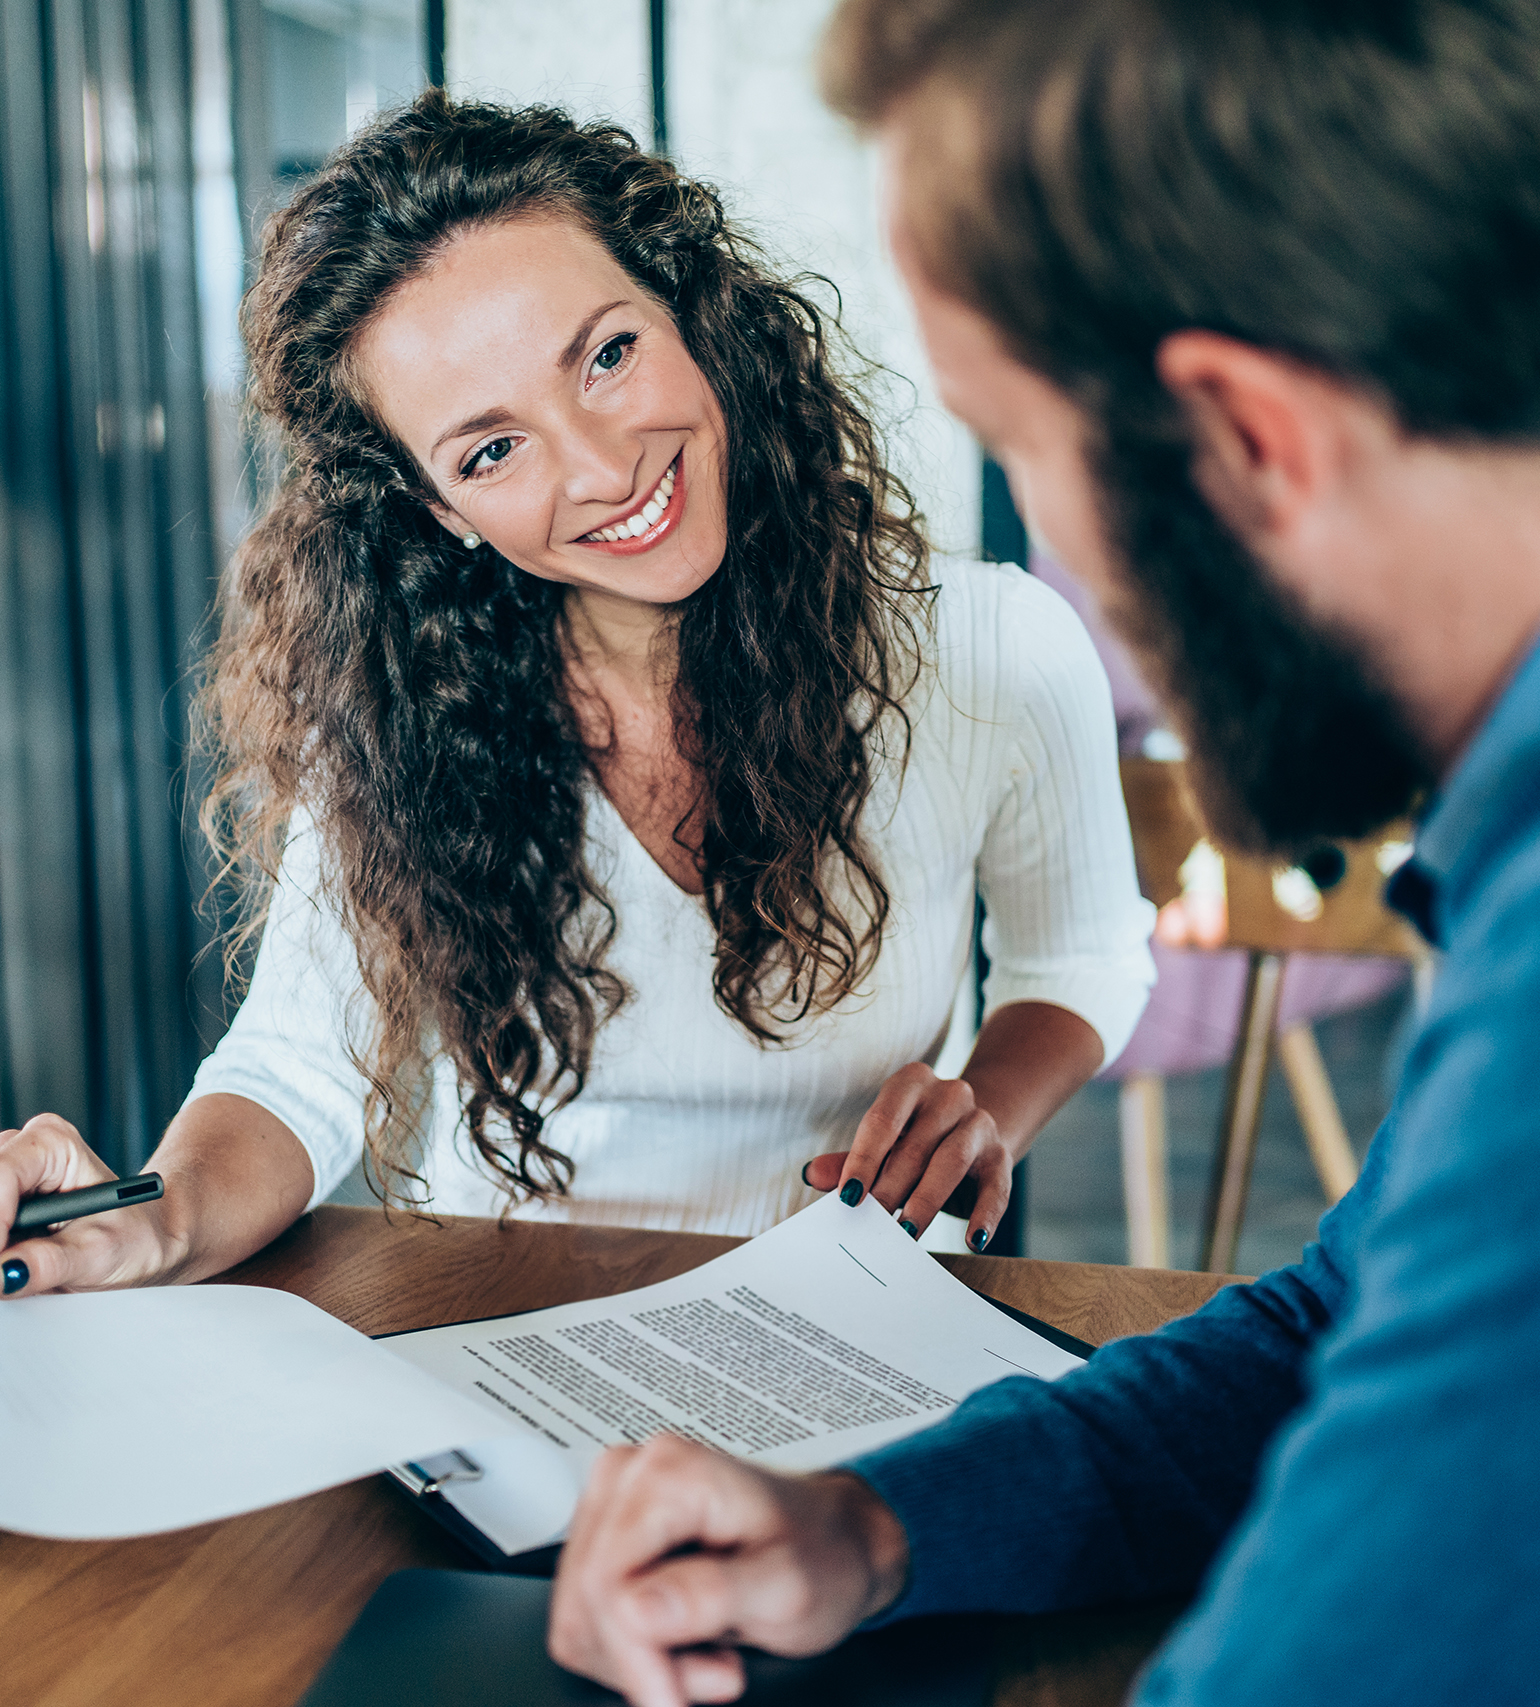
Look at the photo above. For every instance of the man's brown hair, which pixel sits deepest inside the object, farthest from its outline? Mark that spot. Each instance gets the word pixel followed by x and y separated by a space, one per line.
pixel 1353 182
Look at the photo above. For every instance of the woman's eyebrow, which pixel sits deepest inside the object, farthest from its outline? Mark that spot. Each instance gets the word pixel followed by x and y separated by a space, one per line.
pixel 476 424
pixel 585 332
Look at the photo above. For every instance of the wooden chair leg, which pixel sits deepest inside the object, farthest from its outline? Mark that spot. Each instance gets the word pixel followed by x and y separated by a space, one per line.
pixel 1231 1178
pixel 1142 1129
pixel 1316 1105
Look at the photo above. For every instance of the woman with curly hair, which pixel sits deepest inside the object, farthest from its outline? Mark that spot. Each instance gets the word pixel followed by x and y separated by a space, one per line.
pixel 610 783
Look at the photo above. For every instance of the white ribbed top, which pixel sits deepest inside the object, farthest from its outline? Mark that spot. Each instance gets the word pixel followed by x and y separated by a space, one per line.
pixel 686 1123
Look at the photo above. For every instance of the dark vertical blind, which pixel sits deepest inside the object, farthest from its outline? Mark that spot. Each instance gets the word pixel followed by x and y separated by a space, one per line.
pixel 657 39
pixel 1003 538
pixel 434 57
pixel 106 566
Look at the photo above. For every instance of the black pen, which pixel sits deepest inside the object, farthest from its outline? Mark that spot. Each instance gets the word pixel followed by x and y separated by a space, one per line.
pixel 38 1212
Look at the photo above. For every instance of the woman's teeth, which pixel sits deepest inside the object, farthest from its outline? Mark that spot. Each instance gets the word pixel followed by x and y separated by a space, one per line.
pixel 650 514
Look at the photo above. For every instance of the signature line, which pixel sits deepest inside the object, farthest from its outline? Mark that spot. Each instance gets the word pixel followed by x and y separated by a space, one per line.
pixel 859 1264
pixel 1021 1366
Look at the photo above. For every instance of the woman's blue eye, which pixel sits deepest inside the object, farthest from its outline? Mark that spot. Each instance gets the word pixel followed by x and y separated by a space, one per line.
pixel 489 455
pixel 609 358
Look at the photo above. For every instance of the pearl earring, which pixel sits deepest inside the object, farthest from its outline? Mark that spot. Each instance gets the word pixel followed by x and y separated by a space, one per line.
pixel 470 541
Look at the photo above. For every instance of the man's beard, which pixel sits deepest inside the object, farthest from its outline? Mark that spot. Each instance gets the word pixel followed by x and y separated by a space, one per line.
pixel 1292 739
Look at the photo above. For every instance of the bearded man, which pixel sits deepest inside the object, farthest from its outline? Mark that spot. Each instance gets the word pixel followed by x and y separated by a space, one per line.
pixel 1245 295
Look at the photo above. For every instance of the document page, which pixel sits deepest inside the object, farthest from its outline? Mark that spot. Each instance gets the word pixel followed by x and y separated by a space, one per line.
pixel 829 1335
pixel 126 1413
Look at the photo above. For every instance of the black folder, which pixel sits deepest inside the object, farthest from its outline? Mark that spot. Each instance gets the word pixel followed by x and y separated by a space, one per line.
pixel 468 1639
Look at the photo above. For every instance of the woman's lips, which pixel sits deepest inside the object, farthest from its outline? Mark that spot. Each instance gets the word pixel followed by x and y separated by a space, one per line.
pixel 660 529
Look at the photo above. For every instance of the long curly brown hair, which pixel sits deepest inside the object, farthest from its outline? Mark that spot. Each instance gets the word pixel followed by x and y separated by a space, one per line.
pixel 410 693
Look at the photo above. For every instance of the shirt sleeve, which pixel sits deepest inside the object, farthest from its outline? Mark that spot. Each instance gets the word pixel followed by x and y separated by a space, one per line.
pixel 1342 1455
pixel 288 1047
pixel 1118 1482
pixel 1392 1551
pixel 1064 920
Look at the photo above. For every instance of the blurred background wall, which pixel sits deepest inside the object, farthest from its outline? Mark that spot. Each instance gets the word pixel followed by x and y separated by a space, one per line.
pixel 142 143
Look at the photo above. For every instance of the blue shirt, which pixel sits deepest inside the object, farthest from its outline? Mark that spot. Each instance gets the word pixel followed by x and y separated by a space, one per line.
pixel 1343 1459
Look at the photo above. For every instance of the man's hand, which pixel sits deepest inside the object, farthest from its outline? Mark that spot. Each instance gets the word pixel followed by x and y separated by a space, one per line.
pixel 677 1554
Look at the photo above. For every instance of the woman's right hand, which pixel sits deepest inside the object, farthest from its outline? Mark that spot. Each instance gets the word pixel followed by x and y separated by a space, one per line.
pixel 129 1247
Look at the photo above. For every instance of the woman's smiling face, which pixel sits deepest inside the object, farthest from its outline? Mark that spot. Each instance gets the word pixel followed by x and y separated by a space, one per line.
pixel 554 406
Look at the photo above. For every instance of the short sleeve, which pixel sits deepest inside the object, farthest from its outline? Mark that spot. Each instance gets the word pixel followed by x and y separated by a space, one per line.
pixel 1064 920
pixel 288 1047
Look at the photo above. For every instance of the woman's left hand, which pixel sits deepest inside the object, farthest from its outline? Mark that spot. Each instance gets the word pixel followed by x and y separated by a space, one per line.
pixel 923 1140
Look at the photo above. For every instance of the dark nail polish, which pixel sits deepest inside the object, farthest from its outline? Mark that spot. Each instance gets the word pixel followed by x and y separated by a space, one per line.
pixel 851 1192
pixel 805 1180
pixel 910 1228
pixel 16 1274
pixel 980 1239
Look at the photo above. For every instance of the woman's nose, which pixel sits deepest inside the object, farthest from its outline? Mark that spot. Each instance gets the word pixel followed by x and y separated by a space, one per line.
pixel 597 472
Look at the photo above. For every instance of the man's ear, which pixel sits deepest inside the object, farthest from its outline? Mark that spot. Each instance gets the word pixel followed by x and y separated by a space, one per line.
pixel 1268 432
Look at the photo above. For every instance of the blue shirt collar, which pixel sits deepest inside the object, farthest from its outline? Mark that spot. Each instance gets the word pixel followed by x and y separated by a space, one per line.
pixel 1478 795
pixel 1494 782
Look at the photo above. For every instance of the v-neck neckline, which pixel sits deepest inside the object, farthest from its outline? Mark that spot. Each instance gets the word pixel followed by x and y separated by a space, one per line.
pixel 636 842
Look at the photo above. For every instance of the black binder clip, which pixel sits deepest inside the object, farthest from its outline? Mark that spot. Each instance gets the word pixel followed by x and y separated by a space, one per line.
pixel 431 1474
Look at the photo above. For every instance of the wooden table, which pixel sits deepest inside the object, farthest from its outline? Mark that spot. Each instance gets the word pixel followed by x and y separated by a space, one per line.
pixel 245 1612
